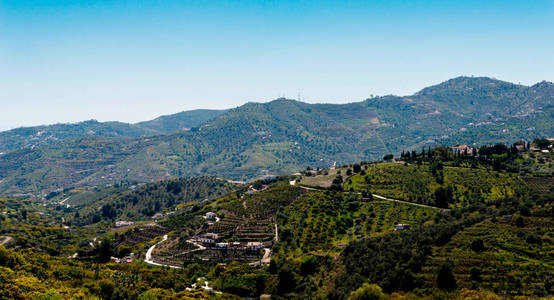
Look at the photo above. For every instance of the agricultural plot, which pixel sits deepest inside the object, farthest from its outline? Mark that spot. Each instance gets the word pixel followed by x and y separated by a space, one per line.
pixel 241 217
pixel 540 184
pixel 499 256
pixel 323 178
pixel 419 184
pixel 323 221
pixel 140 235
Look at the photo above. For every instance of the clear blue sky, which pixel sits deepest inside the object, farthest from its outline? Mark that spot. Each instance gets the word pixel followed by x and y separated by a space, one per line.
pixel 131 61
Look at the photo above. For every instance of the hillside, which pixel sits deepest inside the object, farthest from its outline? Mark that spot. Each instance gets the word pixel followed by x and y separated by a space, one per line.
pixel 30 137
pixel 38 136
pixel 284 136
pixel 282 238
pixel 180 121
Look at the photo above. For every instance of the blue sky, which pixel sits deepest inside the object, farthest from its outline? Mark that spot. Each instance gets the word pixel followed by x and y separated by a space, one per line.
pixel 132 61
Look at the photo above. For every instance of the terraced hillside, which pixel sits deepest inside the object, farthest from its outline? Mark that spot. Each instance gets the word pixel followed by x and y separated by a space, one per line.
pixel 30 137
pixel 284 136
pixel 416 183
pixel 305 242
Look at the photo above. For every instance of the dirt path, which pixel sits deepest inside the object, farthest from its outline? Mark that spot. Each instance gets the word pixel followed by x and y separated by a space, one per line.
pixel 276 232
pixel 5 240
pixel 402 201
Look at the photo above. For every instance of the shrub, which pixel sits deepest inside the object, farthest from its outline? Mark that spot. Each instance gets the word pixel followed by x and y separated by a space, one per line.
pixel 475 274
pixel 367 292
pixel 445 278
pixel 477 245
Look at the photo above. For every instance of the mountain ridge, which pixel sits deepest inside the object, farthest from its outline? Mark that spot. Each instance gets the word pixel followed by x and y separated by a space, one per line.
pixel 286 135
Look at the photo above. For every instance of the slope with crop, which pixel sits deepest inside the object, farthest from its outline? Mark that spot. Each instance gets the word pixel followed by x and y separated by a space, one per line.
pixel 283 136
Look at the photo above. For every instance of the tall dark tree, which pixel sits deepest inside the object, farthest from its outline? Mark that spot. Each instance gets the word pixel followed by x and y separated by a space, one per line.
pixel 445 278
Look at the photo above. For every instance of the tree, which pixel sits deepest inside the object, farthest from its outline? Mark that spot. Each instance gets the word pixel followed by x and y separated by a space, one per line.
pixel 388 157
pixel 477 245
pixel 309 265
pixel 286 281
pixel 445 278
pixel 443 196
pixel 475 274
pixel 356 168
pixel 520 222
pixel 367 292
pixel 105 252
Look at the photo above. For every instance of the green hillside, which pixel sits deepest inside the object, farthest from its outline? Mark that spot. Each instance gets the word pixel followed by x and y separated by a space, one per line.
pixel 184 120
pixel 284 136
pixel 416 183
pixel 326 243
pixel 29 137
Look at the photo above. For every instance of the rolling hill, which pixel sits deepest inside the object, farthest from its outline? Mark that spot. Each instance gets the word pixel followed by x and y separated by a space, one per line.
pixel 29 137
pixel 285 135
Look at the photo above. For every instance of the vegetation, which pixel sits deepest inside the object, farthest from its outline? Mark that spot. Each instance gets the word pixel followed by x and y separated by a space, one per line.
pixel 435 184
pixel 487 230
pixel 144 201
pixel 281 136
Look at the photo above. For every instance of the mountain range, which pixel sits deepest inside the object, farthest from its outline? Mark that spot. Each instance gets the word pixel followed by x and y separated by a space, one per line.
pixel 280 136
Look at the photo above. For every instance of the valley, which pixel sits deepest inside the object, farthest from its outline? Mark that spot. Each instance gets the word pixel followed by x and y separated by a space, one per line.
pixel 301 235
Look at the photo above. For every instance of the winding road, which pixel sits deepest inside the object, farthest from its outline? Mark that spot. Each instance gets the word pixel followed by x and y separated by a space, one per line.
pixel 148 257
pixel 149 260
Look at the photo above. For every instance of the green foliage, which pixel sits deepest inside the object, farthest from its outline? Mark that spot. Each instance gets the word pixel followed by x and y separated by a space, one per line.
pixel 331 244
pixel 278 136
pixel 457 185
pixel 152 198
pixel 477 245
pixel 367 292
pixel 445 278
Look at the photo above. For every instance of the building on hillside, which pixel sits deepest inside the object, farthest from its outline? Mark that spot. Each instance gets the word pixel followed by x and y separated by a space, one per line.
pixel 522 146
pixel 462 150
pixel 207 238
pixel 158 216
pixel 254 245
pixel 120 224
pixel 401 226
pixel 210 216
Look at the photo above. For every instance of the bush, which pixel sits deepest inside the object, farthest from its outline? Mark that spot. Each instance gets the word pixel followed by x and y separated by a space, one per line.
pixel 477 245
pixel 475 274
pixel 445 278
pixel 520 222
pixel 309 265
pixel 367 292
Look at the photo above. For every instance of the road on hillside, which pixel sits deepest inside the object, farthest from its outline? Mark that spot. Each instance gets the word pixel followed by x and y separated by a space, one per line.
pixel 148 258
pixel 4 240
